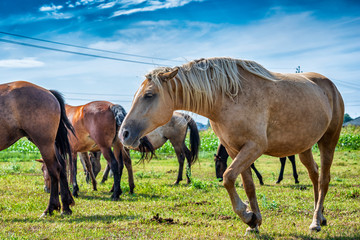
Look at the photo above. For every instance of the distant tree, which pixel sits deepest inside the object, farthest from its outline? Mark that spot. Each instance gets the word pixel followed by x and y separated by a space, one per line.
pixel 347 118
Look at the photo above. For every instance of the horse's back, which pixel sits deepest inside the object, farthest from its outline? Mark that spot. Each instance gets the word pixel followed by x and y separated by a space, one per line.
pixel 94 125
pixel 24 108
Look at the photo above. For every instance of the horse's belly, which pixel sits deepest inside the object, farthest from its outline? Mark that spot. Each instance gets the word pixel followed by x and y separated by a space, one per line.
pixel 297 136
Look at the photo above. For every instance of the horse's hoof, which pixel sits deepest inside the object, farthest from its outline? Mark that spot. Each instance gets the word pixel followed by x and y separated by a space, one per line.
pixel 323 222
pixel 250 231
pixel 315 228
pixel 252 223
pixel 66 212
pixel 261 183
pixel 43 215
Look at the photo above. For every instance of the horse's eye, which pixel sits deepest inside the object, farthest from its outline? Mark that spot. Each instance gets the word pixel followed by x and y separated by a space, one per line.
pixel 148 95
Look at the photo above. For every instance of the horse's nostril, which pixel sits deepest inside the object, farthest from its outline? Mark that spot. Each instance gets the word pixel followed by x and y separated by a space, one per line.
pixel 126 134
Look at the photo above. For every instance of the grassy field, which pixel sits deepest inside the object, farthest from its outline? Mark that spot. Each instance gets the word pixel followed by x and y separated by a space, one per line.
pixel 202 210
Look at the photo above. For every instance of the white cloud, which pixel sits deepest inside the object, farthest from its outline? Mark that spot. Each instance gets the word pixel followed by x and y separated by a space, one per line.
pixel 52 7
pixel 21 63
pixel 153 6
pixel 107 5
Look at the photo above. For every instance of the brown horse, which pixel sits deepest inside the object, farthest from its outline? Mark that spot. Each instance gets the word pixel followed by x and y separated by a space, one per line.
pixel 174 131
pixel 96 127
pixel 253 111
pixel 27 110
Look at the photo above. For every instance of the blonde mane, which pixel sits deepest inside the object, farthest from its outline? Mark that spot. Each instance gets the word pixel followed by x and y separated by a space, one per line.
pixel 202 80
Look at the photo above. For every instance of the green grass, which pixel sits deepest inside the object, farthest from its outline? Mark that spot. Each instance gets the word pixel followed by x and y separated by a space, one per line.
pixel 201 210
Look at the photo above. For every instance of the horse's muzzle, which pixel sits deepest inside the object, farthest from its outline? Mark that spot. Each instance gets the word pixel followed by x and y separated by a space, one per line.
pixel 129 137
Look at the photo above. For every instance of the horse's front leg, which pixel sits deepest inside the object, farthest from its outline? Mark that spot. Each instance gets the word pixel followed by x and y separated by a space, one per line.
pixel 249 152
pixel 116 168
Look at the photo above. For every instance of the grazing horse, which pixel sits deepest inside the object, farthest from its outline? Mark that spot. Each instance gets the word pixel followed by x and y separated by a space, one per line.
pixel 221 158
pixel 175 131
pixel 253 111
pixel 27 110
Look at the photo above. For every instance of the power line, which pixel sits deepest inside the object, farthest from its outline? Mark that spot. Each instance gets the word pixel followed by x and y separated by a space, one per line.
pixel 77 53
pixel 92 99
pixel 87 48
pixel 98 94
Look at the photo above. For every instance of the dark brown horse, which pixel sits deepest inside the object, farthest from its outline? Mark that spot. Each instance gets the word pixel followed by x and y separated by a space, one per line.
pixel 175 131
pixel 27 110
pixel 221 158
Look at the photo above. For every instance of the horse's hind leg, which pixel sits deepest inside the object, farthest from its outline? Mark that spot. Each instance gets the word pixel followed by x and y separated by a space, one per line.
pixel 292 160
pixel 327 146
pixel 114 164
pixel 180 156
pixel 307 159
pixel 54 168
pixel 188 156
pixel 66 198
pixel 128 165
pixel 281 174
pixel 89 169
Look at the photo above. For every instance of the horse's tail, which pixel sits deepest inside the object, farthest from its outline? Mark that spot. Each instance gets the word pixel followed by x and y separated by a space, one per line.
pixel 119 114
pixel 146 149
pixel 62 143
pixel 194 138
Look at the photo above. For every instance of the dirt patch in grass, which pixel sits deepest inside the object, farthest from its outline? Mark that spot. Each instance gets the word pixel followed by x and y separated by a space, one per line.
pixel 159 219
pixel 223 217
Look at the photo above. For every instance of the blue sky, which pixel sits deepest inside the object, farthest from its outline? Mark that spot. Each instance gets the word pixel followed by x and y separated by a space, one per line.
pixel 320 36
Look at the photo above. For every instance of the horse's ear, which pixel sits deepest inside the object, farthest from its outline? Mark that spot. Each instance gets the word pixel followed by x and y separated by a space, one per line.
pixel 39 160
pixel 169 75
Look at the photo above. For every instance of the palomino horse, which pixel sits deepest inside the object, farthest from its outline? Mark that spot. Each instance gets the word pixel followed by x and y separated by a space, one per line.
pixel 221 158
pixel 27 110
pixel 175 131
pixel 253 111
